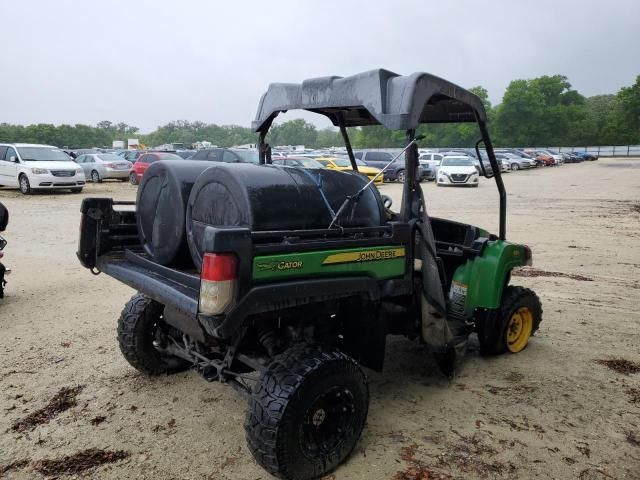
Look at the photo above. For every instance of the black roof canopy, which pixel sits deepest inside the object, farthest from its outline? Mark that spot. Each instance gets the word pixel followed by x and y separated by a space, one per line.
pixel 376 97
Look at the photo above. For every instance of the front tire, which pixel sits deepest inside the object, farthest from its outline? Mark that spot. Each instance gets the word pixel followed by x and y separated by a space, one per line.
pixel 400 176
pixel 95 177
pixel 518 319
pixel 515 166
pixel 139 327
pixel 25 186
pixel 307 412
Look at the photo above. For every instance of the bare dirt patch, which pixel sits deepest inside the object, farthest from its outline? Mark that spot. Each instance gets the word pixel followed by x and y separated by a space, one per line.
pixel 634 394
pixel 62 401
pixel 79 462
pixel 536 272
pixel 620 365
pixel 16 465
pixel 633 438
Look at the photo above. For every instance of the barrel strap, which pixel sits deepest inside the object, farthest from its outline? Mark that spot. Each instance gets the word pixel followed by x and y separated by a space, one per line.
pixel 318 182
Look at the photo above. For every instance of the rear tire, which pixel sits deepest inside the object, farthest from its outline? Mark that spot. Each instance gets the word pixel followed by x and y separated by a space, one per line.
pixel 519 318
pixel 25 186
pixel 400 176
pixel 133 179
pixel 307 412
pixel 137 328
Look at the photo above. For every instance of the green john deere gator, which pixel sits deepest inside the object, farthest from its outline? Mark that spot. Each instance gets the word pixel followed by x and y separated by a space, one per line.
pixel 297 276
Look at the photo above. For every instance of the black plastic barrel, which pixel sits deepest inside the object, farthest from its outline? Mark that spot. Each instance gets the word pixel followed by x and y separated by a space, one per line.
pixel 161 207
pixel 270 197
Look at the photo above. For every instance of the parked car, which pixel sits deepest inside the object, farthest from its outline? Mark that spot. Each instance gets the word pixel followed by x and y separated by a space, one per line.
pixel 516 162
pixel 246 155
pixel 75 153
pixel 222 155
pixel 543 159
pixel 431 160
pixel 133 155
pixel 571 158
pixel 32 167
pixel 396 171
pixel 102 166
pixel 343 163
pixel 304 162
pixel 557 157
pixel 517 152
pixel 186 154
pixel 458 170
pixel 587 155
pixel 476 163
pixel 143 162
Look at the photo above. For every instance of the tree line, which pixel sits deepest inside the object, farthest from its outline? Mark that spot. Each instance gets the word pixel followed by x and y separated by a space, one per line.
pixel 544 111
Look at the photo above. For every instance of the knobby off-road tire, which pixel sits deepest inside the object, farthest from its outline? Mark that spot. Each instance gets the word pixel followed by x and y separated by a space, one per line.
pixel 307 412
pixel 137 326
pixel 514 300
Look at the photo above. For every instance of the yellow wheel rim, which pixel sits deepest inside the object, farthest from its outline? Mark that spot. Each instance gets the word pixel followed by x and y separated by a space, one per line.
pixel 519 329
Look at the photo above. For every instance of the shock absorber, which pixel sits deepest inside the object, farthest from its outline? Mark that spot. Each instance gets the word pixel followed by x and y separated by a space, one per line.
pixel 270 340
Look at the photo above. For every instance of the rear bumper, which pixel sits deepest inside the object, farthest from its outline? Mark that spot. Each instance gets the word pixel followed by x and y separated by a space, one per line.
pixel 111 173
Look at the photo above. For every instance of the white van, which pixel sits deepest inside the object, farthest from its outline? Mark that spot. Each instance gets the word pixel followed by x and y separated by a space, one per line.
pixel 38 167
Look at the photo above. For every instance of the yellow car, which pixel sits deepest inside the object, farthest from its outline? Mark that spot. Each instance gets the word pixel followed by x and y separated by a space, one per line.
pixel 336 163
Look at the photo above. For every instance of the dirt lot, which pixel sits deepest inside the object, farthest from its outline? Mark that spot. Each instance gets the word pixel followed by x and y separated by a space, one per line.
pixel 551 411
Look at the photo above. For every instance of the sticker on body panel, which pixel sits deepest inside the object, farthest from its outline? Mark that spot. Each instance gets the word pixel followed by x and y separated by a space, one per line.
pixel 364 256
pixel 279 266
pixel 457 297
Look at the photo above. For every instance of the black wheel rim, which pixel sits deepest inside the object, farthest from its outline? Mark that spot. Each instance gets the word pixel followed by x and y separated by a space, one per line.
pixel 328 423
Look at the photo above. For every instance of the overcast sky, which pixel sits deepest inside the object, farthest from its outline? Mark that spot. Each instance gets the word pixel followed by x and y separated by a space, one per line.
pixel 148 62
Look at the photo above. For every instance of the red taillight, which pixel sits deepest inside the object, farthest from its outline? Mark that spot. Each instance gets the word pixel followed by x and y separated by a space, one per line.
pixel 218 267
pixel 217 282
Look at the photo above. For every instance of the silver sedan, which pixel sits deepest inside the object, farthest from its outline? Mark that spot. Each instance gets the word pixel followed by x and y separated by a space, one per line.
pixel 101 166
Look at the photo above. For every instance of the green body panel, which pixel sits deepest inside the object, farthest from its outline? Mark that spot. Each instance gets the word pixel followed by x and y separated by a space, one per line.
pixel 481 280
pixel 380 263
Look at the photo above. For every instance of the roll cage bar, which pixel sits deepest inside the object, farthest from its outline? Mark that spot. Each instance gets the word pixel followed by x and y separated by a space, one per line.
pixel 381 97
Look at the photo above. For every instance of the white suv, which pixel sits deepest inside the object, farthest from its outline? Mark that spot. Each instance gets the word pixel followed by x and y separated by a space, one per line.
pixel 37 167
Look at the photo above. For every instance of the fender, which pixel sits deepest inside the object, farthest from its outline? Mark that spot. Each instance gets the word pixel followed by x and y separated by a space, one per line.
pixel 479 283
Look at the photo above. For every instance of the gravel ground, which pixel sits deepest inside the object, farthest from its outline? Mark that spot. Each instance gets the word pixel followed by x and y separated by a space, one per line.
pixel 551 411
